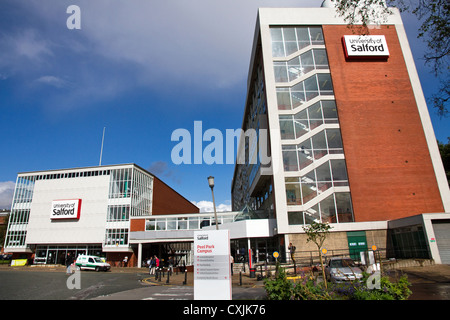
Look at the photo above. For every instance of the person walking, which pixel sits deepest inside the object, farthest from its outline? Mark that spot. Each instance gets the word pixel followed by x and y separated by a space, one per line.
pixel 151 265
pixel 170 262
pixel 231 262
pixel 156 261
pixel 69 261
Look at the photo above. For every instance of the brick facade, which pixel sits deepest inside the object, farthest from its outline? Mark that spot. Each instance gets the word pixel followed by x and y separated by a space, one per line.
pixel 389 166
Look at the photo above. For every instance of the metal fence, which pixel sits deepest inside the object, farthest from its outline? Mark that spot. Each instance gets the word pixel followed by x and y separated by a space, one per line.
pixel 312 258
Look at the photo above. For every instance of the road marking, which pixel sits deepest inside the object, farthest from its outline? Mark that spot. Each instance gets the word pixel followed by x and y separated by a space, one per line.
pixel 172 293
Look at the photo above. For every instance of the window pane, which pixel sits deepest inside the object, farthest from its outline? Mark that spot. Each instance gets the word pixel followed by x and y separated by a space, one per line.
pixel 316 35
pixel 315 116
pixel 182 223
pixel 298 98
pixel 276 34
pixel 344 207
pixel 307 61
pixel 301 127
pixel 295 218
pixel 309 191
pixel 287 128
pixel 305 158
pixel 315 111
pixel 278 49
pixel 328 210
pixel 311 90
pixel 302 115
pixel 193 223
pixel 334 139
pixel 310 84
pixel 150 225
pixel 319 142
pixel 295 72
pixel 284 99
pixel 323 172
pixel 280 72
pixel 339 170
pixel 289 34
pixel 294 68
pixel 161 224
pixel 325 83
pixel 293 194
pixel 329 110
pixel 290 160
pixel 320 58
pixel 171 223
pixel 303 37
pixel 312 215
pixel 291 47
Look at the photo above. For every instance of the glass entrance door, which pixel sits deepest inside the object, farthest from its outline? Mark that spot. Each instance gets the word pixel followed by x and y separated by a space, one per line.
pixel 51 256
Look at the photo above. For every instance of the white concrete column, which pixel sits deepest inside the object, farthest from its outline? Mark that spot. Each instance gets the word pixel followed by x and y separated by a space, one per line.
pixel 139 260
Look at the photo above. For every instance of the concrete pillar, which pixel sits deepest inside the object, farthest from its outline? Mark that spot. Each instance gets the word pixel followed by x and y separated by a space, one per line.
pixel 139 260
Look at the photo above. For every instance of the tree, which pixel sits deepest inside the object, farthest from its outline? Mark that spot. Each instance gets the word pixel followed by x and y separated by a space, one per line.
pixel 444 149
pixel 434 30
pixel 317 233
pixel 3 229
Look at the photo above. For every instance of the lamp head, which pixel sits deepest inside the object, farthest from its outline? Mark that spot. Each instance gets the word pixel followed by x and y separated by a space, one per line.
pixel 211 181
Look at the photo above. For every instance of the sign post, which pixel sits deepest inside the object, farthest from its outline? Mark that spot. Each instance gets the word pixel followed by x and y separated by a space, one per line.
pixel 212 268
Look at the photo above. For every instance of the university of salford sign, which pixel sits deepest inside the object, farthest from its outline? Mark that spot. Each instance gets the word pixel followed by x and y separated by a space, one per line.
pixel 357 46
pixel 66 209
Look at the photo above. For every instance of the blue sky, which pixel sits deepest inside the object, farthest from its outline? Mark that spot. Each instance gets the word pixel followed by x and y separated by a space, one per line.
pixel 142 69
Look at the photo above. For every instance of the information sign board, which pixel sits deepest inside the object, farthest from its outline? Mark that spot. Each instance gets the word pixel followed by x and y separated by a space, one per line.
pixel 212 268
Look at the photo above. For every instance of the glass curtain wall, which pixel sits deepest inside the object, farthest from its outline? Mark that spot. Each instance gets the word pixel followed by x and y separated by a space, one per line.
pixel 312 149
pixel 20 212
pixel 130 195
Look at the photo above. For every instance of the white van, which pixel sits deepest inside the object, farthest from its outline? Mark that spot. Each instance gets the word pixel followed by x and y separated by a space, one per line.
pixel 91 263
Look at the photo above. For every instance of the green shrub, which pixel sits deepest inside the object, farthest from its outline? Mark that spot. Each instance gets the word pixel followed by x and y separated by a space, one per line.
pixel 387 290
pixel 280 288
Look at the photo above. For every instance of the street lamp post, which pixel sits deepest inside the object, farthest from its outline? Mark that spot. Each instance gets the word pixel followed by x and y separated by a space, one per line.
pixel 211 185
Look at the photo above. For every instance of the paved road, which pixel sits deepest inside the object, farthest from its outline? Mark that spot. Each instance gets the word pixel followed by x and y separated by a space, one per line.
pixel 53 285
pixel 43 285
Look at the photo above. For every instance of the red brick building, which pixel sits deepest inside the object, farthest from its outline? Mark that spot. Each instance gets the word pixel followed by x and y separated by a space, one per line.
pixel 349 133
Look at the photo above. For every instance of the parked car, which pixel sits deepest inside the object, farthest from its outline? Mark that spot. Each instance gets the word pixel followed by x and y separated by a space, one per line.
pixel 340 270
pixel 91 263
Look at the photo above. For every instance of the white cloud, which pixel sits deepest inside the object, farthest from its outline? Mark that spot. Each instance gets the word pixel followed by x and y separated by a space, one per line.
pixel 207 206
pixel 6 194
pixel 124 45
pixel 29 44
pixel 197 42
pixel 53 81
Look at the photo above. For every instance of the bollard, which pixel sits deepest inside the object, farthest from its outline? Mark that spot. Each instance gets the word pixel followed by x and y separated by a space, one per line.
pixel 159 274
pixel 240 278
pixel 185 277
pixel 156 274
pixel 168 277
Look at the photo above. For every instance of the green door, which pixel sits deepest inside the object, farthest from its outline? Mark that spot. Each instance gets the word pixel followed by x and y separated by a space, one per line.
pixel 357 242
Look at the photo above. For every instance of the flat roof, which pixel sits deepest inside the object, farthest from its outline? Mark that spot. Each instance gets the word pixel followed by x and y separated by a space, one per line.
pixel 103 167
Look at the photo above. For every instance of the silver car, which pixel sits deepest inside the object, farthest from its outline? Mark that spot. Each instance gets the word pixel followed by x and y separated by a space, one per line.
pixel 340 270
